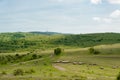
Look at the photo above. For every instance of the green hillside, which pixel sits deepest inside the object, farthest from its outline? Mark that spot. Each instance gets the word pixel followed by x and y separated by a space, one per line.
pixel 30 56
pixel 86 40
pixel 73 64
pixel 20 41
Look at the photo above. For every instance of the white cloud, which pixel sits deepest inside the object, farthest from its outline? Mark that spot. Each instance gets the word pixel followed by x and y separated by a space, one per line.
pixel 115 14
pixel 105 20
pixel 96 1
pixel 112 17
pixel 92 1
pixel 97 19
pixel 114 1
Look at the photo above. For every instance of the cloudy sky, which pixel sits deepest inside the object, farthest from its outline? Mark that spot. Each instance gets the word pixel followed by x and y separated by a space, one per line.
pixel 66 16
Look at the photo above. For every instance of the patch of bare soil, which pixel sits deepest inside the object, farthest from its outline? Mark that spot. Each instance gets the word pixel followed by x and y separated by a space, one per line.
pixel 59 67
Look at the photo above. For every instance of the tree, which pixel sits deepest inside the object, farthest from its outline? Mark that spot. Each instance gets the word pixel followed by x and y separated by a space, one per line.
pixel 58 51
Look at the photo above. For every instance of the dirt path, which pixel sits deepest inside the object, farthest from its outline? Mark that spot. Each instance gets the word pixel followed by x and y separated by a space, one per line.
pixel 59 67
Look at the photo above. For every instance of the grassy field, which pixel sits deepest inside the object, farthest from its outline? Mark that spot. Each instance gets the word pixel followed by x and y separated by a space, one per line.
pixel 73 64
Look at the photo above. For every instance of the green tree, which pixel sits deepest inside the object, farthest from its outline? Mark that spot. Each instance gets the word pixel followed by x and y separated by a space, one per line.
pixel 58 51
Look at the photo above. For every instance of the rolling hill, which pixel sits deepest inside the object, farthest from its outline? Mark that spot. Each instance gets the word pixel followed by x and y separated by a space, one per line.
pixel 29 56
pixel 21 41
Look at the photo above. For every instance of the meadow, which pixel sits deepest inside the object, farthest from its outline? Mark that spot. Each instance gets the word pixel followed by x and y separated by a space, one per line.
pixel 30 56
pixel 73 64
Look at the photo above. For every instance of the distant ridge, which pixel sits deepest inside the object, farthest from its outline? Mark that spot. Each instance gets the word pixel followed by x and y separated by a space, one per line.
pixel 45 33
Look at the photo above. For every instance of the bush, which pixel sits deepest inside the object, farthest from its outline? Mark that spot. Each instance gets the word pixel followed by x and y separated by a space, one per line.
pixel 34 56
pixel 118 76
pixel 96 52
pixel 18 72
pixel 4 72
pixel 30 71
pixel 58 51
pixel 17 55
pixel 93 51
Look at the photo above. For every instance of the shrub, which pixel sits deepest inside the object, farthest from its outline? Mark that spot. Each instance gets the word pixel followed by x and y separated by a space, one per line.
pixel 118 76
pixel 58 51
pixel 4 72
pixel 34 56
pixel 18 72
pixel 96 52
pixel 17 55
pixel 93 51
pixel 30 71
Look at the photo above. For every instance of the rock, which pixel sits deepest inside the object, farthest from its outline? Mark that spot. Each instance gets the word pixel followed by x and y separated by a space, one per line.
pixel 93 64
pixel 65 62
pixel 78 63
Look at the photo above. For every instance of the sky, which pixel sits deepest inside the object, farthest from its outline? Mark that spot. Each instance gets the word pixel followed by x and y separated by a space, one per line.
pixel 65 16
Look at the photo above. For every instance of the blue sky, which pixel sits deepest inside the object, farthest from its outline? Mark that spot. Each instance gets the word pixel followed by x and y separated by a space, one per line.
pixel 66 16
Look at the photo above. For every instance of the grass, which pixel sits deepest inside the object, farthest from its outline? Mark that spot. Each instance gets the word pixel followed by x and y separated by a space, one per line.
pixel 104 66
